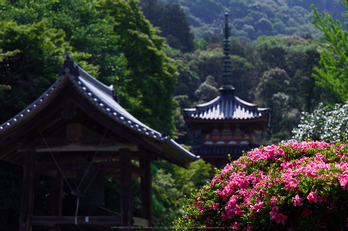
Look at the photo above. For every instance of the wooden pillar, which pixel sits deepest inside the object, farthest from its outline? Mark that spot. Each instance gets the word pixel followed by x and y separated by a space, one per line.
pixel 146 191
pixel 56 198
pixel 28 191
pixel 126 189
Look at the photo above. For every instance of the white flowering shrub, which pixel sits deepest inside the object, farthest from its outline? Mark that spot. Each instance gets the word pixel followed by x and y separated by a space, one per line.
pixel 324 124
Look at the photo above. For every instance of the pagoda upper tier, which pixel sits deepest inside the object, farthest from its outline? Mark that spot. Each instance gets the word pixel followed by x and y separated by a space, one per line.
pixel 227 106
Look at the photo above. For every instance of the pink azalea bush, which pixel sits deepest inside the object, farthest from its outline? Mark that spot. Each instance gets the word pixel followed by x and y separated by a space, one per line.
pixel 292 186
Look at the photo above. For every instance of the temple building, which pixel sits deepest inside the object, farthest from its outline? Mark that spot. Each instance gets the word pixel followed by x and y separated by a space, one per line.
pixel 227 124
pixel 78 136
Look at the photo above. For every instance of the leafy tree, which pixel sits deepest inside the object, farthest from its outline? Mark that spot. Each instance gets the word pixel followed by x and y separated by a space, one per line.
pixel 271 51
pixel 272 81
pixel 167 199
pixel 172 21
pixel 208 62
pixel 332 72
pixel 103 33
pixel 207 90
pixel 34 53
pixel 171 184
pixel 152 74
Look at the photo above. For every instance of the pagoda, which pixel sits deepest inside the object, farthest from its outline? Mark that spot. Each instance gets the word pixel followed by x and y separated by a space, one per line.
pixel 227 124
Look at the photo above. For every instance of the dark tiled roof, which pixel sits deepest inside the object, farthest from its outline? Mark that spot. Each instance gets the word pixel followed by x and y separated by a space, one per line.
pixel 227 106
pixel 217 150
pixel 102 97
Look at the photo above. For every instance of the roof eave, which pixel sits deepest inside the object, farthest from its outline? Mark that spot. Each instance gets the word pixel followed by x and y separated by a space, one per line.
pixel 176 153
pixel 34 107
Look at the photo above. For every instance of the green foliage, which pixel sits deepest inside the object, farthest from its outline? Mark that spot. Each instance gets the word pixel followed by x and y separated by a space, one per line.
pixel 152 74
pixel 33 55
pixel 207 90
pixel 271 51
pixel 110 39
pixel 332 72
pixel 171 184
pixel 167 199
pixel 172 21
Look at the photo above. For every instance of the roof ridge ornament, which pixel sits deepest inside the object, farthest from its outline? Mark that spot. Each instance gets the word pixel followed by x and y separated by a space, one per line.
pixel 69 67
pixel 227 72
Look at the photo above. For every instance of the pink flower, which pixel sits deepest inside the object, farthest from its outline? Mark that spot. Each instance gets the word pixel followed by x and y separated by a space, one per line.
pixel 201 208
pixel 236 225
pixel 274 212
pixel 297 200
pixel 343 179
pixel 257 207
pixel 208 219
pixel 312 197
pixel 320 158
pixel 322 225
pixel 306 212
pixel 215 206
pixel 280 218
pixel 247 228
pixel 321 199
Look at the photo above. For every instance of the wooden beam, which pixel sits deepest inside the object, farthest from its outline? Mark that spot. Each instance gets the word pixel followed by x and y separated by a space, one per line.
pixel 126 189
pixel 77 165
pixel 84 165
pixel 28 191
pixel 57 198
pixel 146 191
pixel 86 145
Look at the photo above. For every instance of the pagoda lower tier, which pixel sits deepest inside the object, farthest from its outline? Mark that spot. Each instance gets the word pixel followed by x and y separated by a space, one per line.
pixel 218 155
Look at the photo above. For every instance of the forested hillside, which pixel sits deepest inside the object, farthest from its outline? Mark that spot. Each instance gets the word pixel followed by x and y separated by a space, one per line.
pixel 253 18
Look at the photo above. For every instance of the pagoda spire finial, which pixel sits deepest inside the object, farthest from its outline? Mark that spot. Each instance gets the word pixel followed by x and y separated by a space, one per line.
pixel 227 73
pixel 227 31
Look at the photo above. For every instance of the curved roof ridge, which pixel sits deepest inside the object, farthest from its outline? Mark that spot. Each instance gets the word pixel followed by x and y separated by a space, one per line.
pixel 96 82
pixel 226 106
pixel 245 102
pixel 110 107
pixel 207 104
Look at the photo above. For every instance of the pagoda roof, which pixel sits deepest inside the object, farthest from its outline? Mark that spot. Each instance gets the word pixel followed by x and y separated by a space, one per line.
pixel 101 98
pixel 227 106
